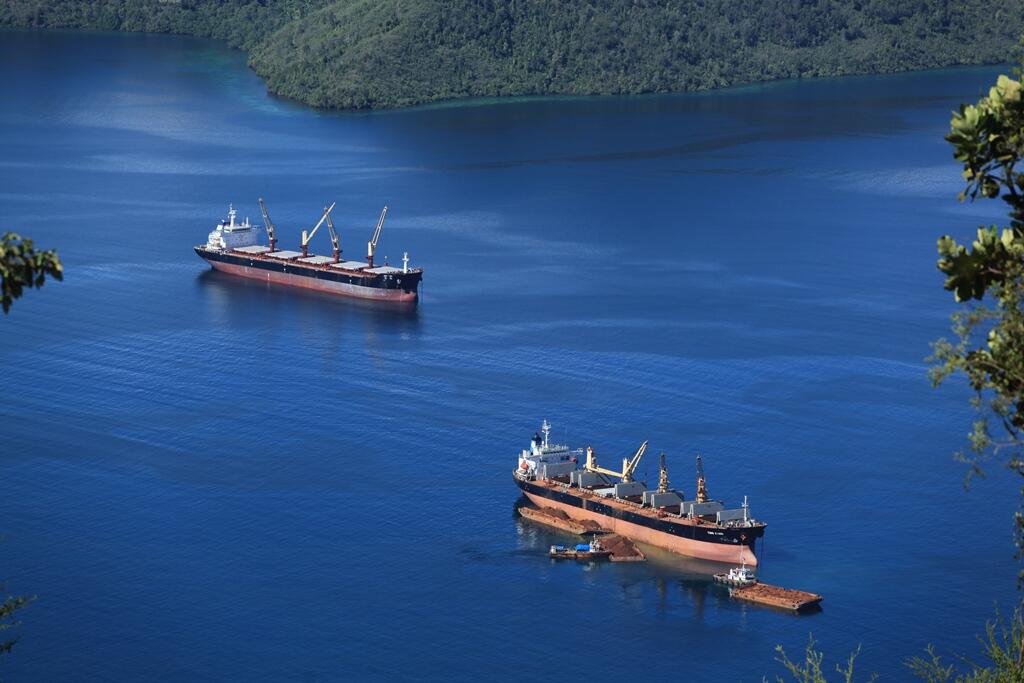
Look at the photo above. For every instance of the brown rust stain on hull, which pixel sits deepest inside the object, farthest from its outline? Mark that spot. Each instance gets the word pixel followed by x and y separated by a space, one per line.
pixel 683 546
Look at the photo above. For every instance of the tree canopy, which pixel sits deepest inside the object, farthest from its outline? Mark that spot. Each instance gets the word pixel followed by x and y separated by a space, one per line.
pixel 7 621
pixel 22 267
pixel 987 278
pixel 356 54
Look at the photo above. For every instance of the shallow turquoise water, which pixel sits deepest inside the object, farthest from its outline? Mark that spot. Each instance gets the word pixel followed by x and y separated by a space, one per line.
pixel 209 479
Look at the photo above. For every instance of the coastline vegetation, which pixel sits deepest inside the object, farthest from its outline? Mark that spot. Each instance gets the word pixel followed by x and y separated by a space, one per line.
pixel 365 54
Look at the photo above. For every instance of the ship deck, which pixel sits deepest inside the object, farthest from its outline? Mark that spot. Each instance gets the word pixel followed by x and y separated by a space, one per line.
pixel 314 262
pixel 635 508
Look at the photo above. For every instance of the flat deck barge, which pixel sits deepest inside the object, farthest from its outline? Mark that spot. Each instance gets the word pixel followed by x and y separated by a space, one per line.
pixel 622 549
pixel 560 520
pixel 775 596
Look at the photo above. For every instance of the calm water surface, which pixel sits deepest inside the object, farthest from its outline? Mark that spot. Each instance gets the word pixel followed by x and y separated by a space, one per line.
pixel 209 479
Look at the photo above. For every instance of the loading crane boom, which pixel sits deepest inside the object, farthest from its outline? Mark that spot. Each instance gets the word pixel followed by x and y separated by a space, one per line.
pixel 702 491
pixel 307 237
pixel 335 242
pixel 371 246
pixel 269 225
pixel 663 482
pixel 628 464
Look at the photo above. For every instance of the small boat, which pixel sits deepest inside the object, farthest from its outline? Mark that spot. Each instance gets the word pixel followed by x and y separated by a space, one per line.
pixel 580 551
pixel 737 576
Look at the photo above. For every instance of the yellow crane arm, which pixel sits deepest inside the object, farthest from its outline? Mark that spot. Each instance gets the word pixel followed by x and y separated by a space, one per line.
pixel 601 470
pixel 629 466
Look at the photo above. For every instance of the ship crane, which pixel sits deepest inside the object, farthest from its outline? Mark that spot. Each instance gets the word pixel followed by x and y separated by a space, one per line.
pixel 702 491
pixel 628 464
pixel 663 482
pixel 269 224
pixel 371 246
pixel 307 237
pixel 335 242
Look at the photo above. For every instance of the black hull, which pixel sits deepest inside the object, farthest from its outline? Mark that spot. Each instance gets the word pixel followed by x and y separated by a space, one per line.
pixel 398 283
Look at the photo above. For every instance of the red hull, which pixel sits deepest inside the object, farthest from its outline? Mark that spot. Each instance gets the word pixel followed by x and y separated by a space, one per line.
pixel 340 288
pixel 718 552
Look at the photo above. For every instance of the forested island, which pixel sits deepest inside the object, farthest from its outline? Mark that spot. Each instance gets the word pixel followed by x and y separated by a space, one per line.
pixel 366 54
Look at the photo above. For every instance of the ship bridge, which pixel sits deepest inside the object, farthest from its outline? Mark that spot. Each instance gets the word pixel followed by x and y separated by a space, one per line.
pixel 546 460
pixel 230 234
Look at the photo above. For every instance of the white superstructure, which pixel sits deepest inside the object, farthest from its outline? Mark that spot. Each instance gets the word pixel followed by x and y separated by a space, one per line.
pixel 231 235
pixel 545 459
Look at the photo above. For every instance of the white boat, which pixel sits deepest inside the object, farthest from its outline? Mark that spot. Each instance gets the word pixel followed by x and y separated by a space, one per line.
pixel 738 576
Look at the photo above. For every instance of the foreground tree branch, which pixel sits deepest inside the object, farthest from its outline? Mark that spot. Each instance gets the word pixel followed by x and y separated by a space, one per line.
pixel 23 267
pixel 988 140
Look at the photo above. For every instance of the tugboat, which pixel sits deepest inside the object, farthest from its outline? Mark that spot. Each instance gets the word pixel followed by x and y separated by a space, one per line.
pixel 738 576
pixel 581 551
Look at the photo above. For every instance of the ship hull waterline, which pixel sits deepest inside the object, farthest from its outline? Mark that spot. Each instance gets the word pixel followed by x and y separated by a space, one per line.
pixel 716 552
pixel 315 284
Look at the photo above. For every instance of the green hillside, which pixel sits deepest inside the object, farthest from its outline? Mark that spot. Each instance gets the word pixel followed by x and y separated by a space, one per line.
pixel 385 53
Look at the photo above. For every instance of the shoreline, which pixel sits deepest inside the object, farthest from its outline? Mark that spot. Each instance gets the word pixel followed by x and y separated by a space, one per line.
pixel 507 100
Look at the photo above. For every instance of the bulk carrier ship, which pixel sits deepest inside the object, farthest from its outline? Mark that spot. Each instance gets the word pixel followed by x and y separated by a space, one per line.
pixel 232 248
pixel 551 477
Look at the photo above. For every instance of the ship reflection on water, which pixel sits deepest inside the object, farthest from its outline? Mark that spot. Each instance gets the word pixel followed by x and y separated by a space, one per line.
pixel 239 300
pixel 331 328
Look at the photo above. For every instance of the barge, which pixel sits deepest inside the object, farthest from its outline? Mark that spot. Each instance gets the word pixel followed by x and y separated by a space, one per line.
pixel 775 596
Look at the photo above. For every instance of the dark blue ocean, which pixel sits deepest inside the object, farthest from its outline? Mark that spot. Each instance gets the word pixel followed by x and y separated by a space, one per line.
pixel 204 478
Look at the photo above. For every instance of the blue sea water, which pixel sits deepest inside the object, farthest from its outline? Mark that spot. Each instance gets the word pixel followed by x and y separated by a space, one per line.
pixel 204 478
